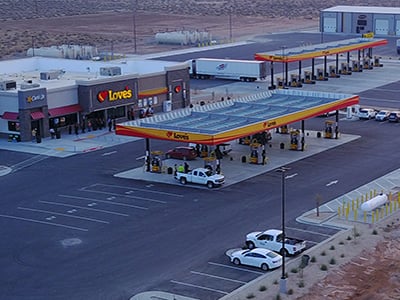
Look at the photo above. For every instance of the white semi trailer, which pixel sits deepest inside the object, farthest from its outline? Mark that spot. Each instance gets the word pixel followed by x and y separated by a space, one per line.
pixel 243 70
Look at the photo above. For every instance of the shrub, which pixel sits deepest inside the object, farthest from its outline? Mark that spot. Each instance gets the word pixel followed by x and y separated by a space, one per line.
pixel 313 259
pixel 323 253
pixel 262 288
pixel 341 243
pixel 290 292
pixel 374 232
pixel 332 261
pixel 294 270
pixel 300 284
pixel 332 248
pixel 250 296
pixel 275 281
pixel 342 255
pixel 349 238
pixel 324 268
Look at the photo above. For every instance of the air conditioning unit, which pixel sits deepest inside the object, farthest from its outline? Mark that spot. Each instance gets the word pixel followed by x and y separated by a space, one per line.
pixel 110 71
pixel 50 75
pixel 8 85
pixel 26 86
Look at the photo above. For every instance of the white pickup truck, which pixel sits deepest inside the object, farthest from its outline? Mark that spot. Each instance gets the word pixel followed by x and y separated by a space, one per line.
pixel 201 176
pixel 272 239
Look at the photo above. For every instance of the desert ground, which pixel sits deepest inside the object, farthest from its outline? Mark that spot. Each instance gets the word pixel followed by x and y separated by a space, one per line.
pixel 366 265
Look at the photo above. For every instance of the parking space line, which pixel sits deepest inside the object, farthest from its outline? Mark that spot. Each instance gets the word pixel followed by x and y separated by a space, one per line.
pixel 82 207
pixel 127 196
pixel 65 215
pixel 308 231
pixel 218 277
pixel 140 190
pixel 104 201
pixel 43 222
pixel 235 268
pixel 199 287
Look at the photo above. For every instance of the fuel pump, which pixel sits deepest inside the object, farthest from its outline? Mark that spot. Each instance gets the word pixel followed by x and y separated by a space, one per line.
pixel 156 162
pixel 321 75
pixel 203 151
pixel 295 143
pixel 328 132
pixel 345 70
pixel 308 78
pixel 256 153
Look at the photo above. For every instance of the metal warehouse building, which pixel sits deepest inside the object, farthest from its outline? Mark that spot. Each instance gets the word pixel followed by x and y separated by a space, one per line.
pixel 382 21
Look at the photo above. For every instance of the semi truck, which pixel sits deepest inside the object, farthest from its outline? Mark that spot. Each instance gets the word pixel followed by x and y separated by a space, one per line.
pixel 243 70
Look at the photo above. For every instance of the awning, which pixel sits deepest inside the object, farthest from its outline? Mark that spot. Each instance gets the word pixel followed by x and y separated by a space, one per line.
pixel 37 115
pixel 64 110
pixel 11 116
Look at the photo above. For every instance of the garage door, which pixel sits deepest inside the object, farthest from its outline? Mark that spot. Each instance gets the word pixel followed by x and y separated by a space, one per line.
pixel 397 27
pixel 381 27
pixel 330 24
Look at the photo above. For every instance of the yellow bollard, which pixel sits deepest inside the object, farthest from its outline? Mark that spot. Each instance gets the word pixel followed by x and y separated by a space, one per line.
pixel 343 208
pixel 374 192
pixel 390 196
pixel 373 217
pixel 377 215
pixel 357 204
pixel 365 217
pixel 366 196
pixel 338 211
pixel 382 212
pixel 352 205
pixel 390 207
pixel 355 215
pixel 362 198
pixel 370 194
pixel 347 212
pixel 386 209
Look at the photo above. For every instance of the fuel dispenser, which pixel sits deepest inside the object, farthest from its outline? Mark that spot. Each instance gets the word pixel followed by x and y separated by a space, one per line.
pixel 294 81
pixel 356 66
pixel 256 153
pixel 367 63
pixel 377 62
pixel 210 163
pixel 284 129
pixel 245 140
pixel 345 70
pixel 328 132
pixel 280 83
pixel 203 151
pixel 156 162
pixel 295 143
pixel 308 78
pixel 321 75
pixel 332 72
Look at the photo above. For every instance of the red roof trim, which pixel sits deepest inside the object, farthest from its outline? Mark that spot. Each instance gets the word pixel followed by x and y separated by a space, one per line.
pixel 64 110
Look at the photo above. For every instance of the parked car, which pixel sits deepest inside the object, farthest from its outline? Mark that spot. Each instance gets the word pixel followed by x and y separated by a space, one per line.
pixel 258 257
pixel 394 116
pixel 366 113
pixel 382 115
pixel 272 239
pixel 182 152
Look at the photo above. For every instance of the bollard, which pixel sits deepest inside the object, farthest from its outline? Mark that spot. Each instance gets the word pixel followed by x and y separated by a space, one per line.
pixel 347 211
pixel 352 205
pixel 390 207
pixel 357 204
pixel 372 217
pixel 338 211
pixel 365 217
pixel 390 196
pixel 343 208
pixel 377 215
pixel 386 209
pixel 362 198
pixel 355 215
pixel 374 192
pixel 370 194
pixel 366 197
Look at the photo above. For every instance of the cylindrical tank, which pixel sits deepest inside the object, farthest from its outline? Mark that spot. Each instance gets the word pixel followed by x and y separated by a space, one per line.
pixel 375 202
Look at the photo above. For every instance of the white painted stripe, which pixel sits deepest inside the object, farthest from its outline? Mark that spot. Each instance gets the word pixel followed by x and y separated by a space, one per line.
pixel 65 215
pixel 235 268
pixel 199 287
pixel 126 196
pixel 327 206
pixel 82 207
pixel 308 231
pixel 108 153
pixel 43 222
pixel 104 201
pixel 137 189
pixel 141 157
pixel 218 277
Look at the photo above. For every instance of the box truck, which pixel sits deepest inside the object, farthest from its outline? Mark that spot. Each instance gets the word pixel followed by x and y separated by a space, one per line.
pixel 243 70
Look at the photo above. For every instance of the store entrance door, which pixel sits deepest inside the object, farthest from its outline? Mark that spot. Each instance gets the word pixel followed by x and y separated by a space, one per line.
pixel 96 120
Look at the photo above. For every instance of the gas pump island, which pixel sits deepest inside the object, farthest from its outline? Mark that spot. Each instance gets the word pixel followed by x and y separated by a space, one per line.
pixel 218 123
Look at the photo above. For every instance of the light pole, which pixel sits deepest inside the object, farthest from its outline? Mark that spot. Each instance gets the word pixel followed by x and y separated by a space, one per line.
pixel 33 46
pixel 134 8
pixel 282 283
pixel 283 65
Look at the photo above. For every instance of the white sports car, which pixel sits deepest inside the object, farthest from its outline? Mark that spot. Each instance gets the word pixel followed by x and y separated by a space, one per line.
pixel 257 257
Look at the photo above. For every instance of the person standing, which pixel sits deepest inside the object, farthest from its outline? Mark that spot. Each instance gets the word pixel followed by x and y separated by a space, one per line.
pixel 34 132
pixel 109 123
pixel 76 127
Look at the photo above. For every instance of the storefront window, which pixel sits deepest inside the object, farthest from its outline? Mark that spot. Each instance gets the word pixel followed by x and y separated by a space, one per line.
pixel 13 126
pixel 117 112
pixel 63 121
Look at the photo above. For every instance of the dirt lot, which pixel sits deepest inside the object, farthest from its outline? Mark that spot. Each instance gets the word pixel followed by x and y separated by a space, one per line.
pixel 366 267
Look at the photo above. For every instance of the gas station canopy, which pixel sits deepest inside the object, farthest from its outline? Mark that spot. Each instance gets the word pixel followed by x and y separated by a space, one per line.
pixel 225 121
pixel 319 50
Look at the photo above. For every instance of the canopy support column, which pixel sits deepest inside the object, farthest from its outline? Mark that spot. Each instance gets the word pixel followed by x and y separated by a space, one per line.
pixel 299 71
pixel 272 86
pixel 337 63
pixel 302 135
pixel 325 66
pixel 337 125
pixel 313 68
pixel 147 157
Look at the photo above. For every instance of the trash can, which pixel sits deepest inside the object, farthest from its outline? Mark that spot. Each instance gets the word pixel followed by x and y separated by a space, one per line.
pixel 318 134
pixel 243 159
pixel 170 170
pixel 304 261
pixel 38 138
pixel 282 146
pixel 58 134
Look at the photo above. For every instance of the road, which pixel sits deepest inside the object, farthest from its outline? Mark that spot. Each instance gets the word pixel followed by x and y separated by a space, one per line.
pixel 73 231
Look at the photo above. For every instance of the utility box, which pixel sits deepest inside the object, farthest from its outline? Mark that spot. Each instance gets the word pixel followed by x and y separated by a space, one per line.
pixel 110 71
pixel 50 75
